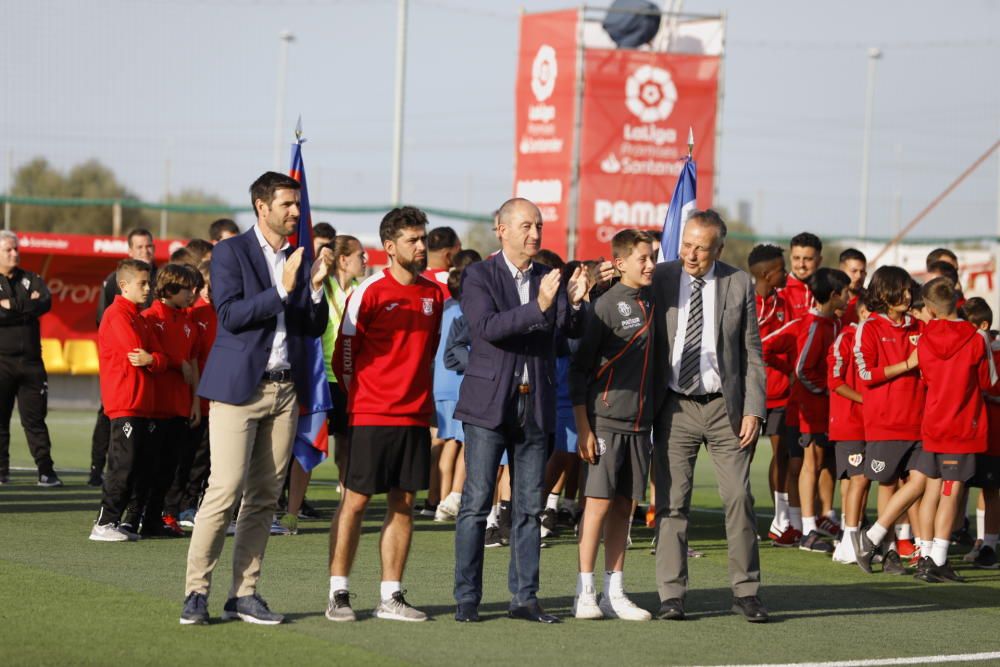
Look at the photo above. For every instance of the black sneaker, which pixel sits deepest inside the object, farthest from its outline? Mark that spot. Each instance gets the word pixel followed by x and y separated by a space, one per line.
pixel 96 478
pixel 813 542
pixel 864 550
pixel 986 559
pixel 50 480
pixel 195 610
pixel 549 526
pixel 307 511
pixel 252 609
pixel 892 564
pixel 945 573
pixel 493 538
pixel 962 535
pixel 923 571
pixel 565 518
pixel 4 478
pixel 504 519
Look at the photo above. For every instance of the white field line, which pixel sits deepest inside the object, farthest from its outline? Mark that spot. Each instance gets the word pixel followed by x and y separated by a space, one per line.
pixel 876 662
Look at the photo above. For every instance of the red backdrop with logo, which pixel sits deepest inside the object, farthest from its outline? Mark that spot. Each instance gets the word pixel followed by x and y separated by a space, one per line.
pixel 637 109
pixel 545 116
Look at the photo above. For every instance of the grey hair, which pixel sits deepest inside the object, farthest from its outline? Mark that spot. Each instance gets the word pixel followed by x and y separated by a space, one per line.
pixel 709 218
pixel 7 234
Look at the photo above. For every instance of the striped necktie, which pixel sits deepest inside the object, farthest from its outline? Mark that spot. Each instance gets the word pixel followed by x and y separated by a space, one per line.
pixel 689 379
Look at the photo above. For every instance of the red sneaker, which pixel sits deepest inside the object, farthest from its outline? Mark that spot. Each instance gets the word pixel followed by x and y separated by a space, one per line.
pixel 651 517
pixel 790 538
pixel 905 548
pixel 171 526
pixel 829 527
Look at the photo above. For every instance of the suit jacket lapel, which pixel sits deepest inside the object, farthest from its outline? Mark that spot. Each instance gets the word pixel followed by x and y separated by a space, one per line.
pixel 721 290
pixel 673 287
pixel 257 260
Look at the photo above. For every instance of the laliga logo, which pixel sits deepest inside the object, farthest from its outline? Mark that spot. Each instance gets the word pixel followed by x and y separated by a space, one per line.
pixel 543 73
pixel 650 94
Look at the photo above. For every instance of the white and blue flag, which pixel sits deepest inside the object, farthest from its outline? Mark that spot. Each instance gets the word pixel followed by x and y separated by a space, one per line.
pixel 681 205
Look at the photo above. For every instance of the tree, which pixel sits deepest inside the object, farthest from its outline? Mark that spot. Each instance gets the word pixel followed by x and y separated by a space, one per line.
pixel 195 225
pixel 480 236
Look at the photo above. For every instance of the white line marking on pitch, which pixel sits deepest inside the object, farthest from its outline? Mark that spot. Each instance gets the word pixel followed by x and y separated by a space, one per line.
pixel 875 662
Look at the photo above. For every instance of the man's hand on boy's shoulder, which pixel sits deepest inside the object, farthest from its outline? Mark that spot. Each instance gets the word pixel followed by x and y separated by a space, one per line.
pixel 139 357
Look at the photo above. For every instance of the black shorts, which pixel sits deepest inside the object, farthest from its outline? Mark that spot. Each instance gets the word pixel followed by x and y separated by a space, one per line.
pixel 888 460
pixel 850 458
pixel 792 445
pixel 816 438
pixel 947 467
pixel 337 417
pixel 774 422
pixel 987 472
pixel 388 457
pixel 623 466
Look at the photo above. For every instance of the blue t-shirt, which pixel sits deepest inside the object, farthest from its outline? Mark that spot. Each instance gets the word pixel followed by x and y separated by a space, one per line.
pixel 446 382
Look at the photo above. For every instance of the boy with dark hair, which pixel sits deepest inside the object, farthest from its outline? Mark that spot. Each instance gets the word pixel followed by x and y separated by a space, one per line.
pixel 177 404
pixel 854 263
pixel 810 397
pixel 942 255
pixel 957 366
pixel 767 265
pixel 612 391
pixel 222 229
pixel 129 355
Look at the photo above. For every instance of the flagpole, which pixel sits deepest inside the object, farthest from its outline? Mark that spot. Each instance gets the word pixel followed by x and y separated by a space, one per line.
pixel 286 38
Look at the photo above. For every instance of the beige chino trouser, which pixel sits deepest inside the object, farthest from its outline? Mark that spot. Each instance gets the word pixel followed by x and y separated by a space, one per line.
pixel 250 448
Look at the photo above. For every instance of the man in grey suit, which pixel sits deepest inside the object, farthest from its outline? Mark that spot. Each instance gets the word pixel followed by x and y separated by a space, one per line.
pixel 710 390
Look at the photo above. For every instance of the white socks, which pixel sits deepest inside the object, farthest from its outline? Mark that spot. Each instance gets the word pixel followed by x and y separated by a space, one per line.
pixel 780 509
pixel 795 518
pixel 584 581
pixel 337 584
pixel 552 502
pixel 614 586
pixel 904 531
pixel 877 533
pixel 455 497
pixel 832 516
pixel 939 551
pixel 925 548
pixel 808 524
pixel 493 520
pixel 390 587
pixel 981 524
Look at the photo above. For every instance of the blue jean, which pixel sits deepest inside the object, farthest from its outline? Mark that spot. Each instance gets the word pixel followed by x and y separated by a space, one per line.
pixel 527 449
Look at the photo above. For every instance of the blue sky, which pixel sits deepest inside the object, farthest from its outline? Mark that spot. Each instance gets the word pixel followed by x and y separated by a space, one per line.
pixel 137 83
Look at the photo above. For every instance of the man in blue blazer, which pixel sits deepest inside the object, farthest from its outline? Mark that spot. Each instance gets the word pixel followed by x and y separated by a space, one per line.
pixel 507 401
pixel 268 305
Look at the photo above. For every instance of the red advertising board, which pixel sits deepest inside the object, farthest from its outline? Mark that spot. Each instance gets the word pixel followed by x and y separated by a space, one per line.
pixel 637 108
pixel 545 117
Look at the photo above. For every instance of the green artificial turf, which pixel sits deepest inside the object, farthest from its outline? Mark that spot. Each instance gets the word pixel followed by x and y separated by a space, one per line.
pixel 66 601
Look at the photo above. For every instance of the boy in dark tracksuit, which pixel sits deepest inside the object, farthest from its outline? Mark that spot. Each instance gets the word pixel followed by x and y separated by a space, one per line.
pixel 611 391
pixel 129 355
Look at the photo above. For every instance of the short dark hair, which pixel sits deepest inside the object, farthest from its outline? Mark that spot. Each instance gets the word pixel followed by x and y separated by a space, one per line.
pixel 627 239
pixel 944 269
pixel 267 184
pixel 183 256
pixel 200 248
pixel 826 282
pixel 941 294
pixel 936 255
pixel 977 311
pixel 465 257
pixel 398 219
pixel 223 226
pixel 887 287
pixel 172 278
pixel 441 238
pixel 139 231
pixel 853 253
pixel 128 267
pixel 462 261
pixel 916 296
pixel 709 218
pixel 765 252
pixel 806 240
pixel 546 257
pixel 324 230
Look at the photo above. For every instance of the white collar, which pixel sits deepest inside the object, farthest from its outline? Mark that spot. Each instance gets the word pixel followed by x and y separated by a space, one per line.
pixel 263 242
pixel 708 277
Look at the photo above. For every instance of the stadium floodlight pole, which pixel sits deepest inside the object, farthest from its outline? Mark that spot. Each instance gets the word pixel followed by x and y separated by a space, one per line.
pixel 286 38
pixel 164 215
pixel 10 188
pixel 397 125
pixel 874 54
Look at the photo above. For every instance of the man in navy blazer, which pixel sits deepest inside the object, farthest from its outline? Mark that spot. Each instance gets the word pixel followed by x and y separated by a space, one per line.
pixel 514 308
pixel 268 305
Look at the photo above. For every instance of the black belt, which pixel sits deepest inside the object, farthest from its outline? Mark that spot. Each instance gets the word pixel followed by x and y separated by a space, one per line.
pixel 700 398
pixel 284 375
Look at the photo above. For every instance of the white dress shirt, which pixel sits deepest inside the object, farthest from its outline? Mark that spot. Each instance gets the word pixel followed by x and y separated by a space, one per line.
pixel 523 281
pixel 278 360
pixel 711 380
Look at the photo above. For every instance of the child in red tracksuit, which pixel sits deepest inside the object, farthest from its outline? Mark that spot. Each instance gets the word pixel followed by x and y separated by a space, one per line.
pixel 129 356
pixel 847 427
pixel 767 265
pixel 885 350
pixel 987 477
pixel 816 334
pixel 177 405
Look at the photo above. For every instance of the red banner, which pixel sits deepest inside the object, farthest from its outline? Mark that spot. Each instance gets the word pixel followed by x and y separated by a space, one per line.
pixel 545 117
pixel 637 109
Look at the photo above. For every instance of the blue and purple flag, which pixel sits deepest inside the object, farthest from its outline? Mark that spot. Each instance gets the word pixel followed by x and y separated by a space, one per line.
pixel 311 436
pixel 681 204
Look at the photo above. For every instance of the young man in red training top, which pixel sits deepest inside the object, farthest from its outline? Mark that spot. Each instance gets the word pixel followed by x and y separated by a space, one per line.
pixel 806 255
pixel 809 393
pixel 847 429
pixel 129 355
pixel 383 359
pixel 177 405
pixel 767 265
pixel 987 477
pixel 854 263
pixel 885 351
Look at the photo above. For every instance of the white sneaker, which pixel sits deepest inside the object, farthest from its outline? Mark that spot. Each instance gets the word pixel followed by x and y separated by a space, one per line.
pixel 231 530
pixel 108 532
pixel 619 606
pixel 447 510
pixel 398 609
pixel 844 552
pixel 585 605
